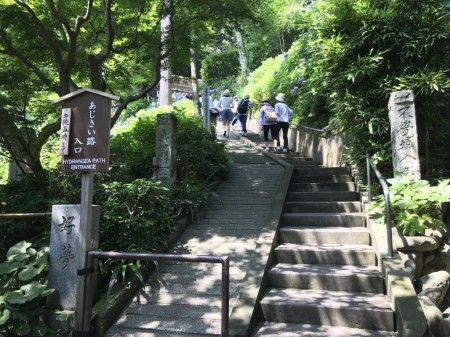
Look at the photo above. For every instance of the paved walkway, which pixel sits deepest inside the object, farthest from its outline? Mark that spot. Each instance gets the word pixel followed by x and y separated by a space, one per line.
pixel 183 299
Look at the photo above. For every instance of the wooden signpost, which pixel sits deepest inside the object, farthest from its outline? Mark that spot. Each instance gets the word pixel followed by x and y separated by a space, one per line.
pixel 84 147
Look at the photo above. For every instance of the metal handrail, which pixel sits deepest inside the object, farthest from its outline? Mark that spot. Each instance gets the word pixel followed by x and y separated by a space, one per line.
pixel 320 131
pixel 92 255
pixel 387 216
pixel 25 215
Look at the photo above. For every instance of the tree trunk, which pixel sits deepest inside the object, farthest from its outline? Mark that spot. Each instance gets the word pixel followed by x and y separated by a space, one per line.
pixel 165 87
pixel 194 79
pixel 242 56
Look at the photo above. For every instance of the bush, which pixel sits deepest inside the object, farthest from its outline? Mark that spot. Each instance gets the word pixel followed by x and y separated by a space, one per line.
pixel 415 205
pixel 136 216
pixel 349 59
pixel 218 66
pixel 23 288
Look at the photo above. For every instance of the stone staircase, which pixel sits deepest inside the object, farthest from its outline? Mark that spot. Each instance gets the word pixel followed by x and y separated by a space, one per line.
pixel 326 278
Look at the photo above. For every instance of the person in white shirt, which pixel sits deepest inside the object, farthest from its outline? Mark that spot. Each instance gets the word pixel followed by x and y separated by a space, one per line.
pixel 226 105
pixel 283 112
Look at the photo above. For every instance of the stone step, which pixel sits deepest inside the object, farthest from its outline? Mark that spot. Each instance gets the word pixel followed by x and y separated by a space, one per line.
pixel 322 196
pixel 274 329
pixel 292 155
pixel 325 235
pixel 299 162
pixel 326 277
pixel 321 187
pixel 323 219
pixel 361 255
pixel 322 206
pixel 335 308
pixel 336 178
pixel 321 171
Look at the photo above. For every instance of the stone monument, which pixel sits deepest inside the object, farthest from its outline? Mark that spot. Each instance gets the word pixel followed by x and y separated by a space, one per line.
pixel 405 148
pixel 166 148
pixel 65 254
pixel 205 105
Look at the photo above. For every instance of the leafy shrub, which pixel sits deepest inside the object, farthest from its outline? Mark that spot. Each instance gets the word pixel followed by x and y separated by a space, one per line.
pixel 352 55
pixel 136 216
pixel 188 197
pixel 258 86
pixel 117 271
pixel 415 205
pixel 218 66
pixel 23 288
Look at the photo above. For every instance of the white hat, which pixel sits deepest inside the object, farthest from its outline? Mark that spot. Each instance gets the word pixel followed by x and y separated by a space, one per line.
pixel 226 92
pixel 280 97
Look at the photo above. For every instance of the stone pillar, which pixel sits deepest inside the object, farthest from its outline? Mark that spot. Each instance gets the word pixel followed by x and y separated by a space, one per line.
pixel 205 104
pixel 166 147
pixel 405 148
pixel 65 252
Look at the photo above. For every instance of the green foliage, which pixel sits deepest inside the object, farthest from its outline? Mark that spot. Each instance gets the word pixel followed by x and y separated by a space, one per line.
pixel 258 86
pixel 188 197
pixel 23 288
pixel 118 271
pixel 29 195
pixel 415 205
pixel 218 66
pixel 4 167
pixel 353 54
pixel 136 216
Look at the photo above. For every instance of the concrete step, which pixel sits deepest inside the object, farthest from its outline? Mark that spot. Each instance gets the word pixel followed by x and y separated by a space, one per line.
pixel 336 178
pixel 292 155
pixel 323 219
pixel 325 235
pixel 326 277
pixel 321 171
pixel 299 162
pixel 322 206
pixel 336 308
pixel 321 187
pixel 361 255
pixel 274 329
pixel 322 196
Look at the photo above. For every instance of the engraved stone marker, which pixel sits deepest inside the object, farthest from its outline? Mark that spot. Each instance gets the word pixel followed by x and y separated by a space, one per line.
pixel 205 104
pixel 405 148
pixel 166 148
pixel 65 253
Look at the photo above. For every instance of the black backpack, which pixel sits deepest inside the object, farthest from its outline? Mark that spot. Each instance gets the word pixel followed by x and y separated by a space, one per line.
pixel 242 107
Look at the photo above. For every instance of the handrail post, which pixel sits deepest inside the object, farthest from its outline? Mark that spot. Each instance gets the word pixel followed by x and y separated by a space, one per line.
pixel 93 255
pixel 387 216
pixel 225 297
pixel 369 179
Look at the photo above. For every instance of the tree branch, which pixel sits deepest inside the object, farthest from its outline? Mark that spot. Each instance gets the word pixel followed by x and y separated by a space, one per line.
pixel 12 51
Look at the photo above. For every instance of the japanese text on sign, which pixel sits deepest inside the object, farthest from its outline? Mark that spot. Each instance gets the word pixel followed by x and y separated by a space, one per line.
pixel 65 131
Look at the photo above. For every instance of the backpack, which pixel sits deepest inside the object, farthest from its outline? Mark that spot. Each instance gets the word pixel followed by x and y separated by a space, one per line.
pixel 242 107
pixel 270 114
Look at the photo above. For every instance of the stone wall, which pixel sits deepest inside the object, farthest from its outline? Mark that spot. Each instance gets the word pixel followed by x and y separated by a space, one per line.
pixel 326 149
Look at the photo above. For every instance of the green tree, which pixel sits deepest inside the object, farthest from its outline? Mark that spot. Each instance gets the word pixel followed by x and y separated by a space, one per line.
pixel 352 55
pixel 107 45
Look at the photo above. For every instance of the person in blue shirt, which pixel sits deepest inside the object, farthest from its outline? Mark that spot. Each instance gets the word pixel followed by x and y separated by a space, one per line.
pixel 283 112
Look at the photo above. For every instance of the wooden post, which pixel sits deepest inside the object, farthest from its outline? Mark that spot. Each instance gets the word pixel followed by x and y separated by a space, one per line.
pixel 87 183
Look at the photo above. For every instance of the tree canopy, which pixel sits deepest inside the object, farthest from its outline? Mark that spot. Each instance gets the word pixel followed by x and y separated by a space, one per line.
pixel 52 48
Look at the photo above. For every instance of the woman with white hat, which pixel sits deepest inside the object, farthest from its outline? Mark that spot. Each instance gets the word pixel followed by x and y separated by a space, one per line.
pixel 226 105
pixel 283 112
pixel 268 124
